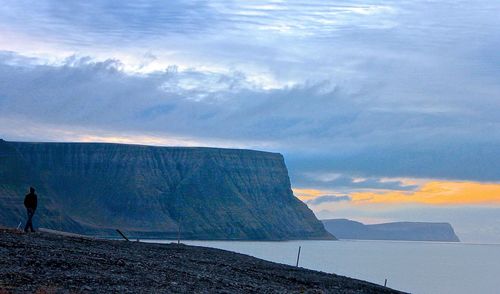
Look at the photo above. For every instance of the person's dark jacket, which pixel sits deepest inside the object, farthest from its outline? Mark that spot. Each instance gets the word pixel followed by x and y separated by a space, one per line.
pixel 30 201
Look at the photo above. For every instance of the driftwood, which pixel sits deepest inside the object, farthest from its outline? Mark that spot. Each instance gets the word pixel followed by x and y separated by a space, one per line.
pixel 66 234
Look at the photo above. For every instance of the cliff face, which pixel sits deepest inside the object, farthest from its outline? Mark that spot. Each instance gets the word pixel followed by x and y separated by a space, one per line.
pixel 147 191
pixel 16 176
pixel 403 231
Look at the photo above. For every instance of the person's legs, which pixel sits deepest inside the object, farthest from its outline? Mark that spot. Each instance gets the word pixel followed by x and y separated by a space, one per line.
pixel 29 222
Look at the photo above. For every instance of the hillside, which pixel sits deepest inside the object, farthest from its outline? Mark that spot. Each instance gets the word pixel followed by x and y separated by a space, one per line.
pixel 47 263
pixel 404 231
pixel 148 191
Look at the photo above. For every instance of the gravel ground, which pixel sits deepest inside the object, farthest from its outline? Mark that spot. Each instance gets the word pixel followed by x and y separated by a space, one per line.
pixel 51 263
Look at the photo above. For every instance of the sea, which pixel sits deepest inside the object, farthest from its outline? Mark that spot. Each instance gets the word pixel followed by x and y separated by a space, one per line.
pixel 414 267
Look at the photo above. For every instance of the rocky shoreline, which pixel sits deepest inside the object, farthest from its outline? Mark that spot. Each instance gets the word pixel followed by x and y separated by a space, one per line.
pixel 51 263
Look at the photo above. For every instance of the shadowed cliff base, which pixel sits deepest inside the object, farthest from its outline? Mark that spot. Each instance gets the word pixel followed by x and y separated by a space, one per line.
pixel 63 264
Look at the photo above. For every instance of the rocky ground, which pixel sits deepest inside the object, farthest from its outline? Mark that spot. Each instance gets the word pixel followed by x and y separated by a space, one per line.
pixel 51 263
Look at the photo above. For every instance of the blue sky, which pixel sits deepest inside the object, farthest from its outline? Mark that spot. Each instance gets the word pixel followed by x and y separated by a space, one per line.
pixel 358 95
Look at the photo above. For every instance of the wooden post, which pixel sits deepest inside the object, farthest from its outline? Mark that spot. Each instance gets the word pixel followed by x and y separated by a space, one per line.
pixel 179 233
pixel 124 237
pixel 298 257
pixel 385 283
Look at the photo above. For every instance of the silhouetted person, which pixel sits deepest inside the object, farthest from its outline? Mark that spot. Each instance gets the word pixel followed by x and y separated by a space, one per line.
pixel 30 202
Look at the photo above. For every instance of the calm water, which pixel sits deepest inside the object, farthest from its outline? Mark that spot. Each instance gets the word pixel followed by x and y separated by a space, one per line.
pixel 416 267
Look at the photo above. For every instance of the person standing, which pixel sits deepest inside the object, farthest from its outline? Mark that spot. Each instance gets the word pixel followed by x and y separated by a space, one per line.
pixel 30 202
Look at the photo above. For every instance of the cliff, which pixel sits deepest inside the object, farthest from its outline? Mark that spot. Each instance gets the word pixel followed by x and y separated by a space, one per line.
pixel 404 231
pixel 148 191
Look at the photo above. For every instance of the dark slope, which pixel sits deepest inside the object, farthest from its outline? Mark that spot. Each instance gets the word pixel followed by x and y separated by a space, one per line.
pixel 403 231
pixel 214 193
pixel 46 263
pixel 15 178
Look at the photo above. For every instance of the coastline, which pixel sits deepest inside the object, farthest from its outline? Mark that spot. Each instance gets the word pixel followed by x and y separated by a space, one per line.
pixel 52 262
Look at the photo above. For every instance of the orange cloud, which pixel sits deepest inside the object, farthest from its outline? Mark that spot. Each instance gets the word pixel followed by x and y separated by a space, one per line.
pixel 308 194
pixel 436 193
pixel 430 193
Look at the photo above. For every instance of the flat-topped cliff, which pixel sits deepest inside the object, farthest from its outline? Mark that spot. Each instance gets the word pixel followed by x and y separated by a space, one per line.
pixel 211 193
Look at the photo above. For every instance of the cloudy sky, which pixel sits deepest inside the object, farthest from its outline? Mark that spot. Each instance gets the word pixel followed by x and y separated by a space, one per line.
pixel 385 110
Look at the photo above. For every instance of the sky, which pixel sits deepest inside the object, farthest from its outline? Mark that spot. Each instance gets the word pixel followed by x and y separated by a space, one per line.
pixel 384 110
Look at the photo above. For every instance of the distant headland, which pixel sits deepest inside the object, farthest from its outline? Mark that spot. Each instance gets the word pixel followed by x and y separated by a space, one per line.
pixel 401 231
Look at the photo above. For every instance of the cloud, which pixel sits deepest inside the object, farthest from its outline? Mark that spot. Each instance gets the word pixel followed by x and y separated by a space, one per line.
pixel 436 193
pixel 322 128
pixel 327 199
pixel 257 38
pixel 143 20
pixel 342 182
pixel 430 192
pixel 366 90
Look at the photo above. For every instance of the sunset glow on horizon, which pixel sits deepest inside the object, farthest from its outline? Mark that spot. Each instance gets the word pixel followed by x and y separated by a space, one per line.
pixel 440 193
